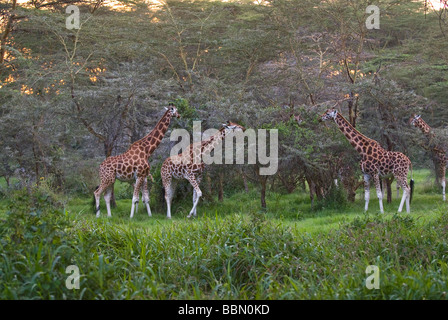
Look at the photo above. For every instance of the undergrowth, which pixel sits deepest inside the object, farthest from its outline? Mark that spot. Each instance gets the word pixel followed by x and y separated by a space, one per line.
pixel 232 256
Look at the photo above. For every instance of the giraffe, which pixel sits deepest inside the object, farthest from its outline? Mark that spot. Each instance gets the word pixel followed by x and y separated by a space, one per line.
pixel 133 165
pixel 375 161
pixel 438 152
pixel 189 165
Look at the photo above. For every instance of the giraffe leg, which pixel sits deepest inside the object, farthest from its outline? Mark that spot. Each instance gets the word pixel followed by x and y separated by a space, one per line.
pixel 195 204
pixel 194 201
pixel 366 191
pixel 379 192
pixel 195 194
pixel 97 195
pixel 194 183
pixel 406 194
pixel 135 197
pixel 145 195
pixel 170 186
pixel 398 190
pixel 138 199
pixel 107 197
pixel 383 187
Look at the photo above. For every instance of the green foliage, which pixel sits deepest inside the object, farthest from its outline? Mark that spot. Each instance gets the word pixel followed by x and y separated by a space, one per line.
pixel 225 257
pixel 335 199
pixel 188 112
pixel 236 60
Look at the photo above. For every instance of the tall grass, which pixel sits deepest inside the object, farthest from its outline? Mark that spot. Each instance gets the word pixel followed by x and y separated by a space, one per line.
pixel 238 252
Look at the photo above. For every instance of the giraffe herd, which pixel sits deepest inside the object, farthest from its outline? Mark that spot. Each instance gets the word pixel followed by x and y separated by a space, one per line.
pixel 133 166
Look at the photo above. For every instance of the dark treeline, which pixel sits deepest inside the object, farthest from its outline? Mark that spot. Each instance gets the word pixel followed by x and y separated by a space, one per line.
pixel 71 97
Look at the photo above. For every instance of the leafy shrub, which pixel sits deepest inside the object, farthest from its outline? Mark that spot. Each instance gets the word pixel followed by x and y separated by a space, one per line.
pixel 335 199
pixel 82 177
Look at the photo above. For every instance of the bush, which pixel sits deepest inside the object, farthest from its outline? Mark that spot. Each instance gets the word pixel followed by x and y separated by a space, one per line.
pixel 335 199
pixel 82 177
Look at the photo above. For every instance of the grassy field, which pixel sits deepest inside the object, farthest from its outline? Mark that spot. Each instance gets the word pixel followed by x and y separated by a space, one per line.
pixel 232 250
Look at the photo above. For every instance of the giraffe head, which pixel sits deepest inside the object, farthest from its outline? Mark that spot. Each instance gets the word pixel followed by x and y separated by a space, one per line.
pixel 298 119
pixel 329 114
pixel 231 127
pixel 172 111
pixel 414 120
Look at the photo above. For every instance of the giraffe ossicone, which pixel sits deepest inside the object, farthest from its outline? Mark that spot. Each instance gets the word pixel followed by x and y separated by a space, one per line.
pixel 133 165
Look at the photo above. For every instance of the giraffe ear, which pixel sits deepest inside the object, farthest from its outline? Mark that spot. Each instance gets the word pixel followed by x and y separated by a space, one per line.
pixel 166 108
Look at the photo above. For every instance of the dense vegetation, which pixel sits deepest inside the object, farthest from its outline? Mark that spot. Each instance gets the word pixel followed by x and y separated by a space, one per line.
pixel 228 253
pixel 70 98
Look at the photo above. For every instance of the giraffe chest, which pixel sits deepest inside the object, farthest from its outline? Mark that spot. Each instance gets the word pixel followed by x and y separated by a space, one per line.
pixel 439 155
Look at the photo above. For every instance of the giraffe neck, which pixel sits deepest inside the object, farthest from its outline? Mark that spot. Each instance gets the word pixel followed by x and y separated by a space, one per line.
pixel 437 150
pixel 151 141
pixel 211 143
pixel 424 127
pixel 359 141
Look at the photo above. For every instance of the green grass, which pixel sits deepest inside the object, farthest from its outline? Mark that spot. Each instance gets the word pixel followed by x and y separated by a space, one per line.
pixel 232 250
pixel 288 209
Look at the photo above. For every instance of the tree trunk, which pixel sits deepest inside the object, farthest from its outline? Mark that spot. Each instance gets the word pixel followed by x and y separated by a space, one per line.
pixel 263 182
pixel 389 190
pixel 7 30
pixel 437 171
pixel 36 166
pixel 246 187
pixel 312 188
pixel 263 192
pixel 220 187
